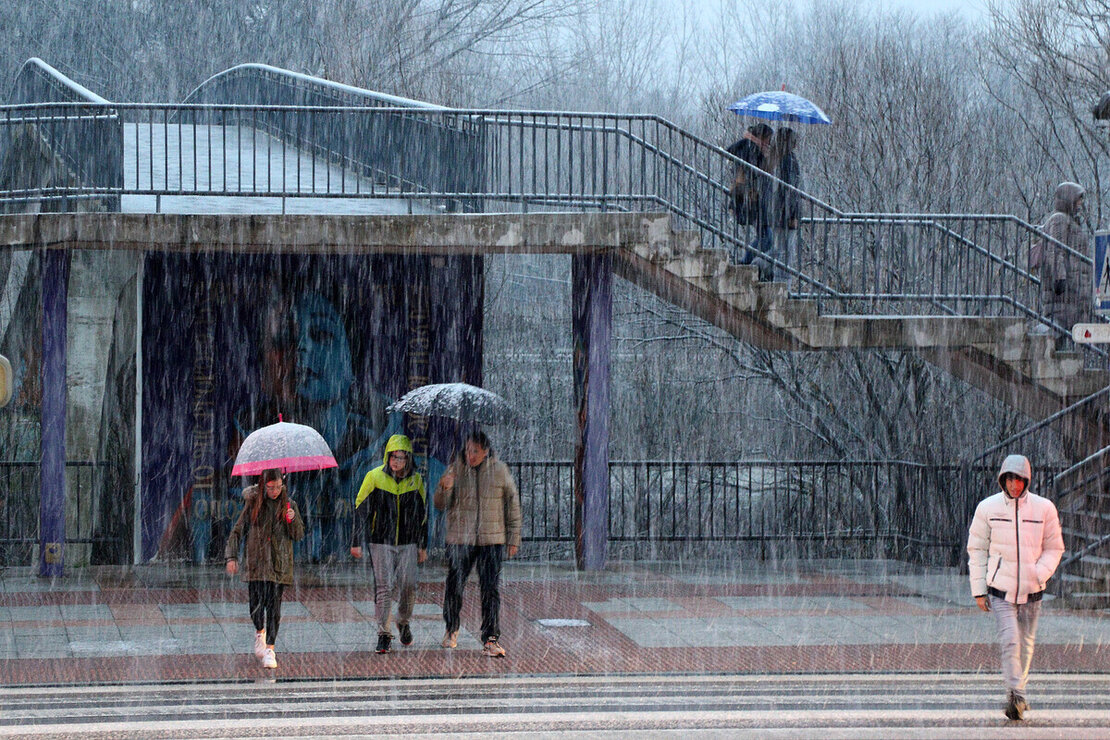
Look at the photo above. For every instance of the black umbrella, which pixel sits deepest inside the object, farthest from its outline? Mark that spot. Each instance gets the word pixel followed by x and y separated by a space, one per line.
pixel 459 401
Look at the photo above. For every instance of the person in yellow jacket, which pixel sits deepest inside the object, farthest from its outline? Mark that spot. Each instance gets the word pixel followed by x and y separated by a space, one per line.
pixel 391 514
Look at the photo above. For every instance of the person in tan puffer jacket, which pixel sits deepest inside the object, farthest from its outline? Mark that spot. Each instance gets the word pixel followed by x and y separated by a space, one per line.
pixel 482 505
pixel 1013 547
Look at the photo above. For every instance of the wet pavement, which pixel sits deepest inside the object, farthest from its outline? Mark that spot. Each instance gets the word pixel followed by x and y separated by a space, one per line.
pixel 190 623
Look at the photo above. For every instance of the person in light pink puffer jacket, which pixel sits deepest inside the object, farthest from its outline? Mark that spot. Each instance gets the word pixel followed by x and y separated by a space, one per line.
pixel 1013 547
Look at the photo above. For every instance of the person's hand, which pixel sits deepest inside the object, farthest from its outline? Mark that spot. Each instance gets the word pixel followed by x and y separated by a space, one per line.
pixel 356 552
pixel 290 515
pixel 510 550
pixel 983 603
pixel 232 567
pixel 448 479
pixel 421 556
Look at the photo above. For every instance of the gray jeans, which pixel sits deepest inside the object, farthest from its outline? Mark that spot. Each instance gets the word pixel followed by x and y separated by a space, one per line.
pixel 1017 631
pixel 394 579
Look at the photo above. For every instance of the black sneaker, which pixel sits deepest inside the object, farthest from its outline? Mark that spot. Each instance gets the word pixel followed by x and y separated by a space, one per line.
pixel 406 635
pixel 383 643
pixel 1016 706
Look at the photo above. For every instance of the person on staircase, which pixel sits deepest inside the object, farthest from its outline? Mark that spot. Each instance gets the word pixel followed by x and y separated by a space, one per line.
pixel 785 202
pixel 750 193
pixel 1065 277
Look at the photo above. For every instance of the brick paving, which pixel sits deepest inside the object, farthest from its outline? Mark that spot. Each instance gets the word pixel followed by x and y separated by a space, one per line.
pixel 189 623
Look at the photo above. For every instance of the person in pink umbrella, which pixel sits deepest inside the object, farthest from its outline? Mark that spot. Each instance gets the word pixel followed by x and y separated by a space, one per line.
pixel 269 524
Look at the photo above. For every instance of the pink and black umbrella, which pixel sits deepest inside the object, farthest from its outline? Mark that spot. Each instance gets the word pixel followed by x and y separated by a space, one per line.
pixel 285 446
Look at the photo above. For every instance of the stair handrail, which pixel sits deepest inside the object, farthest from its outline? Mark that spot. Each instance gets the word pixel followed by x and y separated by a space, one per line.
pixel 1036 426
pixel 74 92
pixel 1082 463
pixel 698 163
pixel 1084 552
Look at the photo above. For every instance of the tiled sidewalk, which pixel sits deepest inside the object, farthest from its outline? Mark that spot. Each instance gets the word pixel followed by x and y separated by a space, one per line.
pixel 190 623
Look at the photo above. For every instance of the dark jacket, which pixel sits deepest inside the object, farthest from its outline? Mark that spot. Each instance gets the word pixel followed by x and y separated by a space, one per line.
pixel 388 510
pixel 269 541
pixel 749 200
pixel 785 207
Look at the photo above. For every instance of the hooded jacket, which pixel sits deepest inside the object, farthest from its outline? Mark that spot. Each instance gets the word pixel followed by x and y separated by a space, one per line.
pixel 269 547
pixel 1014 545
pixel 389 510
pixel 1056 264
pixel 483 507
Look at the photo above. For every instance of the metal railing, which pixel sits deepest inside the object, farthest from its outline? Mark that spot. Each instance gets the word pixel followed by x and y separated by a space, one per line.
pixel 19 507
pixel 890 508
pixel 59 149
pixel 489 160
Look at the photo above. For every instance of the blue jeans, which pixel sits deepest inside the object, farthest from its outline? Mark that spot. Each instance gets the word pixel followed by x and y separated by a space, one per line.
pixel 1017 631
pixel 763 240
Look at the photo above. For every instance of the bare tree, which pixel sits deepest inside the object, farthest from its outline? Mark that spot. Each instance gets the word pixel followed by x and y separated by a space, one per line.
pixel 1046 63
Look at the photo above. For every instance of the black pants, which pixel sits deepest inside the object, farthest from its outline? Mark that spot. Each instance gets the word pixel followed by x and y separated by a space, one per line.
pixel 265 602
pixel 460 559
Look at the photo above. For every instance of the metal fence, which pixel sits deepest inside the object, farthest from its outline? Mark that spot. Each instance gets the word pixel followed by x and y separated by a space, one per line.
pixel 19 507
pixel 489 160
pixel 887 509
pixel 893 508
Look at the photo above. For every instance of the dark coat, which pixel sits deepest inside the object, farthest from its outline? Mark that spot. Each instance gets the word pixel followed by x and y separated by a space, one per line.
pixel 785 206
pixel 749 201
pixel 269 541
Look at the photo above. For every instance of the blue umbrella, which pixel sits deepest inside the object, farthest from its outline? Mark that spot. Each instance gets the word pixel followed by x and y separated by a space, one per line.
pixel 777 105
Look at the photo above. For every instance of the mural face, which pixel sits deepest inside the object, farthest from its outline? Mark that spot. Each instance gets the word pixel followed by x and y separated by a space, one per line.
pixel 232 341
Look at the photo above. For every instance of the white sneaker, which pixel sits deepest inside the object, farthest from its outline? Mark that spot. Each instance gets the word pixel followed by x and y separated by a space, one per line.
pixel 268 659
pixel 260 644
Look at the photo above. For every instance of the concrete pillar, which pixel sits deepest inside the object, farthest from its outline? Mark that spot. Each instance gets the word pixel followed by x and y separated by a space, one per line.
pixel 592 298
pixel 52 499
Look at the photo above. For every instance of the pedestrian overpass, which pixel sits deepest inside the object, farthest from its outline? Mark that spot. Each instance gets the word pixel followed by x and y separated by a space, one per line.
pixel 262 161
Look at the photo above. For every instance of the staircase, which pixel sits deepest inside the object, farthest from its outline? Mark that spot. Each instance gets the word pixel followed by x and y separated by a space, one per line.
pixel 995 354
pixel 1083 579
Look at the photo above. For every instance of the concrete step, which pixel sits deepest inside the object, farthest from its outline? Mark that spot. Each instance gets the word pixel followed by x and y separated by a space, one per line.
pixel 1032 358
pixel 697 265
